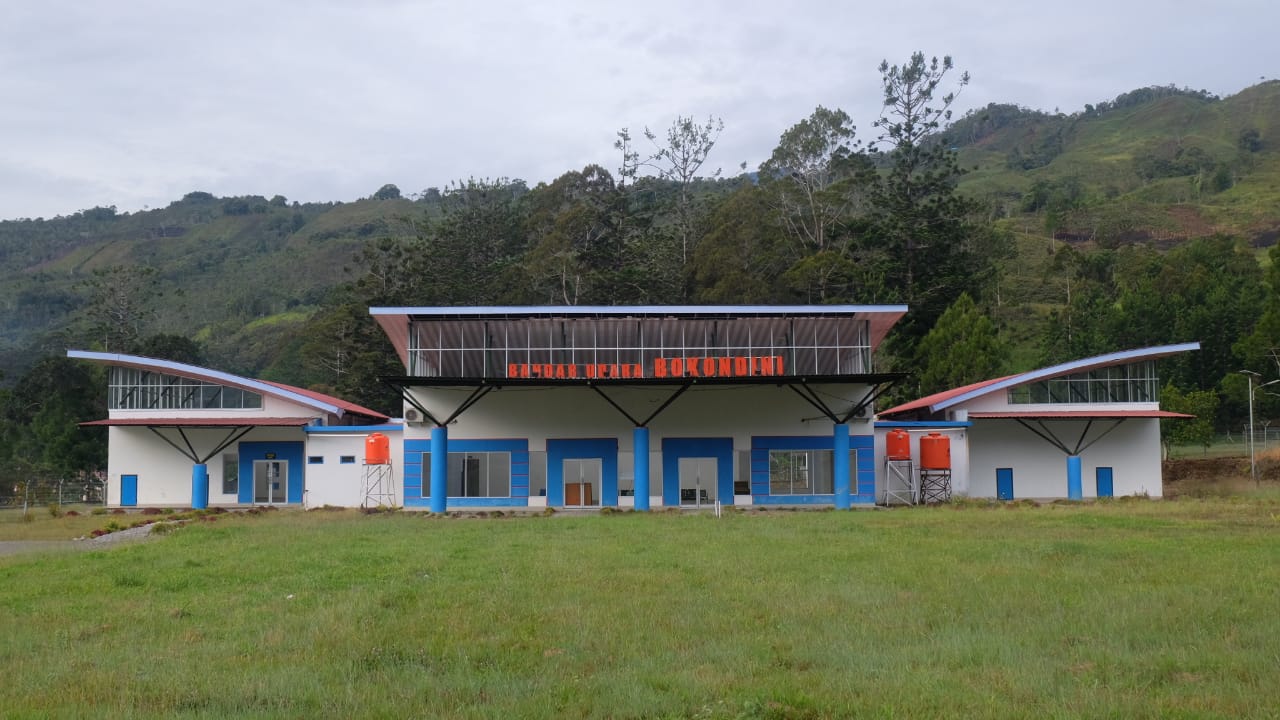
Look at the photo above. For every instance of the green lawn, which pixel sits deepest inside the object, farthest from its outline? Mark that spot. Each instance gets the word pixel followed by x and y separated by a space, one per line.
pixel 1120 609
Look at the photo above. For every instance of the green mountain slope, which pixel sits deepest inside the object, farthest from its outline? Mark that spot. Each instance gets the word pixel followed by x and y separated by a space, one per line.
pixel 244 275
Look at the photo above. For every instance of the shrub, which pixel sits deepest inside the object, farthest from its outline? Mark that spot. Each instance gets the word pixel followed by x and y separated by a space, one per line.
pixel 113 526
pixel 55 510
pixel 98 511
pixel 163 528
pixel 72 513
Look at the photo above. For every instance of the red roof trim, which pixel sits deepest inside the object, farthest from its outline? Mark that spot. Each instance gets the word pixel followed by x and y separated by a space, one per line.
pixel 347 406
pixel 925 402
pixel 201 422
pixel 1077 414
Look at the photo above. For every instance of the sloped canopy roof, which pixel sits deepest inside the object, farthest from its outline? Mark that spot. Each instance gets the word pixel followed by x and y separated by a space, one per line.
pixel 395 320
pixel 300 396
pixel 958 396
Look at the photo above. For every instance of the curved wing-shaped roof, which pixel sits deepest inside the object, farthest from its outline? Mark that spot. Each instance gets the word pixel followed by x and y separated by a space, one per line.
pixel 306 398
pixel 957 396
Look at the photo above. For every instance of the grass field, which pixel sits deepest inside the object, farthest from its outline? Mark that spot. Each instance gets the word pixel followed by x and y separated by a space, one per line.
pixel 1118 609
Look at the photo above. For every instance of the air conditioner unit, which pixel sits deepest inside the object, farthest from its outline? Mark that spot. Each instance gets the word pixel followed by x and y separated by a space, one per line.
pixel 413 416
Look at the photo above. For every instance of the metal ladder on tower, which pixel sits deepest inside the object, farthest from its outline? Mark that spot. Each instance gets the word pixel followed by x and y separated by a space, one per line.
pixel 378 487
pixel 900 486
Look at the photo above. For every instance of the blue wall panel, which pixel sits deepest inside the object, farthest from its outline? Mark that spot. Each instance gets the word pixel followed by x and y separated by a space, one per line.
pixel 288 451
pixel 417 455
pixel 675 448
pixel 605 449
pixel 863 482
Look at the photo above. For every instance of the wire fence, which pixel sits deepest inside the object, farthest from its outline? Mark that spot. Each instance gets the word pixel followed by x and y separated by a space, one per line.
pixel 62 491
pixel 1234 443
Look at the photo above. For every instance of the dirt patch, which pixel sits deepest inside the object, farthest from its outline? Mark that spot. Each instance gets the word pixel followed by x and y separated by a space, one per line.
pixel 1218 476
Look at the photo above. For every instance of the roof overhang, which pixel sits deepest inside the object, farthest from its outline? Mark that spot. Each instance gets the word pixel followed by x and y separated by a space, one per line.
pixel 497 383
pixel 395 320
pixel 300 396
pixel 1117 358
pixel 200 422
pixel 1075 414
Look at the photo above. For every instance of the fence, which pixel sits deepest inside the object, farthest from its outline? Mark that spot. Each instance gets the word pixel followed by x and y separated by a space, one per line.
pixel 37 493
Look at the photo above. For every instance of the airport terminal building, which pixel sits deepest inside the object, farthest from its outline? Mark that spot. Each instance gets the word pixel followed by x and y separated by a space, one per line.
pixel 633 407
pixel 638 407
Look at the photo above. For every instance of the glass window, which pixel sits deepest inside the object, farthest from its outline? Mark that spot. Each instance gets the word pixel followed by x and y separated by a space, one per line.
pixel 134 389
pixel 479 474
pixel 315 459
pixel 801 472
pixel 1136 382
pixel 347 459
pixel 230 474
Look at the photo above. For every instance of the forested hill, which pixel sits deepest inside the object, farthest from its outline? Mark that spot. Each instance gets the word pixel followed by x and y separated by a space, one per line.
pixel 1156 164
pixel 1138 220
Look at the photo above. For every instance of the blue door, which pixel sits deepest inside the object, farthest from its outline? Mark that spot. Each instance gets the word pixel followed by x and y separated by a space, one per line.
pixel 1004 483
pixel 1105 488
pixel 128 489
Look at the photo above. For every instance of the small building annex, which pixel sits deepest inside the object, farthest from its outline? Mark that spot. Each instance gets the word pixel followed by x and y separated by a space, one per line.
pixel 1087 428
pixel 182 435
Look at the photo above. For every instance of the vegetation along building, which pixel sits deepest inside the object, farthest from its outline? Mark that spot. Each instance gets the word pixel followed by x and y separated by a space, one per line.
pixel 628 407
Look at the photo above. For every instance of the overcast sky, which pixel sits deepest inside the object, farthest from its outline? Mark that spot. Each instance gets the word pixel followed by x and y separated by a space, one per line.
pixel 134 103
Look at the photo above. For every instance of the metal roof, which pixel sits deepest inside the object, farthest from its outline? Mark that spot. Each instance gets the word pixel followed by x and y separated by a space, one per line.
pixel 306 398
pixel 395 320
pixel 202 422
pixel 957 396
pixel 1077 414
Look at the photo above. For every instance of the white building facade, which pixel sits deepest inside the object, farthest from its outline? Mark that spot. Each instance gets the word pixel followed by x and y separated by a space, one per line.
pixel 1083 429
pixel 638 407
pixel 182 435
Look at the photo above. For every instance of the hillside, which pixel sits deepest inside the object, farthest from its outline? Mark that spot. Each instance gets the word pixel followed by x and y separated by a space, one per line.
pixel 243 275
pixel 1156 164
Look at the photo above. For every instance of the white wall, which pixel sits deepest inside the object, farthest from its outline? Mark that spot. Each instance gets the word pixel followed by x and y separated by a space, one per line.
pixel 164 474
pixel 716 411
pixel 331 482
pixel 959 444
pixel 1132 450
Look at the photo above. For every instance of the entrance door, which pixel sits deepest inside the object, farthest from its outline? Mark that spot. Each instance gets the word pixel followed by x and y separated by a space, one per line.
pixel 1004 483
pixel 129 490
pixel 1106 487
pixel 582 482
pixel 698 478
pixel 269 480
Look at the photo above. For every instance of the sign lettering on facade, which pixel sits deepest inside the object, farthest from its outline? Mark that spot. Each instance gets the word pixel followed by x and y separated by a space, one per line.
pixel 676 367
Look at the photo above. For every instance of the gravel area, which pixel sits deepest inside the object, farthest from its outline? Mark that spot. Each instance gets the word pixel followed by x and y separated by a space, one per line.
pixel 119 536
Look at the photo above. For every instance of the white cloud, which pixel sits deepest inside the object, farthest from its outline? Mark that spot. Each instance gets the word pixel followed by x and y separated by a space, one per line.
pixel 136 103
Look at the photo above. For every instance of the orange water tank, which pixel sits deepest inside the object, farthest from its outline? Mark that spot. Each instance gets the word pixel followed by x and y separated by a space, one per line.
pixel 935 452
pixel 897 445
pixel 377 449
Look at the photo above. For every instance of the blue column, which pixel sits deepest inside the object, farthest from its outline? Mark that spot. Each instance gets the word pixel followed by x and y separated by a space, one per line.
pixel 640 462
pixel 439 469
pixel 199 486
pixel 840 448
pixel 1074 491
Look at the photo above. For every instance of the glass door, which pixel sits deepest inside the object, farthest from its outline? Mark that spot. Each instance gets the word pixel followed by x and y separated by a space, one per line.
pixel 582 478
pixel 269 481
pixel 697 481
